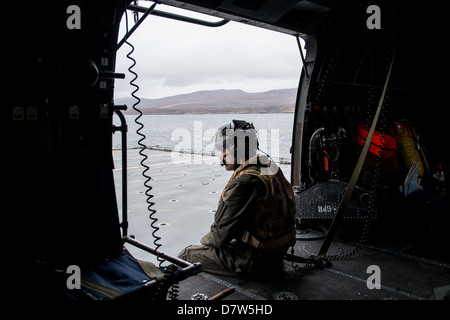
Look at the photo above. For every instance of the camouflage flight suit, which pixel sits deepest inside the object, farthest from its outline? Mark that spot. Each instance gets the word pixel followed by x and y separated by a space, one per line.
pixel 254 224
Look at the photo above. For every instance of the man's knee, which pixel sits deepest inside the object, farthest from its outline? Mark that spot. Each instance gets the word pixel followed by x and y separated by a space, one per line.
pixel 193 253
pixel 183 254
pixel 211 259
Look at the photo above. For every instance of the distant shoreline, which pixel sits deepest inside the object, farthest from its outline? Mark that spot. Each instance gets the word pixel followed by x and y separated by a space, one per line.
pixel 216 102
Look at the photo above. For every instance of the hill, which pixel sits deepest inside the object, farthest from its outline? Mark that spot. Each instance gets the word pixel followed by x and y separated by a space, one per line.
pixel 217 101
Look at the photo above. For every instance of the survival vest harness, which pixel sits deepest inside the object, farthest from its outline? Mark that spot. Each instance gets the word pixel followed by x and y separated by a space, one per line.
pixel 272 226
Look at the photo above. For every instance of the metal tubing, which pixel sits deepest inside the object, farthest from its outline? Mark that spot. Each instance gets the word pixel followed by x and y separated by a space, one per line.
pixel 180 17
pixel 137 290
pixel 136 25
pixel 123 130
pixel 194 268
pixel 302 56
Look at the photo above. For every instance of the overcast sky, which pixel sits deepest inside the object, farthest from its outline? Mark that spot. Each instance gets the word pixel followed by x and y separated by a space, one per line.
pixel 176 57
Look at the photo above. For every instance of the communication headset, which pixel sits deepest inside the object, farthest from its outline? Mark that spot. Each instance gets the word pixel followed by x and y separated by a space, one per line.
pixel 239 137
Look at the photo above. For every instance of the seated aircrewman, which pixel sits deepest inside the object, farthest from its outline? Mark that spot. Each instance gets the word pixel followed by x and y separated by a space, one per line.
pixel 254 224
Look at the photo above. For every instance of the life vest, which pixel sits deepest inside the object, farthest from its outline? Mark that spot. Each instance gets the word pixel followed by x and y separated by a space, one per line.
pixel 382 144
pixel 406 138
pixel 272 226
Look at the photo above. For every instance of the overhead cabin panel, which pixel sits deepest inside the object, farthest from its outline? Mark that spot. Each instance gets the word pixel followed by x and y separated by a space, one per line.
pixel 287 16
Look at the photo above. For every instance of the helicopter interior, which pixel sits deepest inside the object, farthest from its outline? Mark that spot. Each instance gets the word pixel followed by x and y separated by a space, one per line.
pixel 60 204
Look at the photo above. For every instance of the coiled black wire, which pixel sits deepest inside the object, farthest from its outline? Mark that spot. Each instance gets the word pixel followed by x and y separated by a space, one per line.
pixel 156 238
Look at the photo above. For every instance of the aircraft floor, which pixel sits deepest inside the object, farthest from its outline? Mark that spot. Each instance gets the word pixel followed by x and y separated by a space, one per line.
pixel 186 191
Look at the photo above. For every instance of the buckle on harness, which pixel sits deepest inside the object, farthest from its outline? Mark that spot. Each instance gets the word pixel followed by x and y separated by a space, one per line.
pixel 245 236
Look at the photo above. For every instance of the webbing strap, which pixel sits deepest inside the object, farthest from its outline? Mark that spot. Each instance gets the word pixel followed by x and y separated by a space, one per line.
pixel 351 185
pixel 286 240
pixel 107 291
pixel 151 270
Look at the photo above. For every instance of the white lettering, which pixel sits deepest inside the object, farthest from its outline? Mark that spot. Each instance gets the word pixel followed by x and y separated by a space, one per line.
pixel 210 135
pixel 198 142
pixel 74 280
pixel 189 145
pixel 194 310
pixel 225 309
pixel 373 21
pixel 246 309
pixel 184 145
pixel 325 209
pixel 74 20
pixel 374 280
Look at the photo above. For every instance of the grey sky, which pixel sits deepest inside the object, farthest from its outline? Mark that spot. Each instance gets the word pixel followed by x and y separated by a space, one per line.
pixel 175 57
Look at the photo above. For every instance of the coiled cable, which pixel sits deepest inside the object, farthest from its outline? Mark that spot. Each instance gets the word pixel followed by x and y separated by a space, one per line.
pixel 147 177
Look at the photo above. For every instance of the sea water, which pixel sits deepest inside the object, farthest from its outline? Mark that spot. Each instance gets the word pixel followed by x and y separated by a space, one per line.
pixel 196 131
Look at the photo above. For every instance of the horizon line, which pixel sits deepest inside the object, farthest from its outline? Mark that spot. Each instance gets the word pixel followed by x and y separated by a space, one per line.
pixel 206 90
